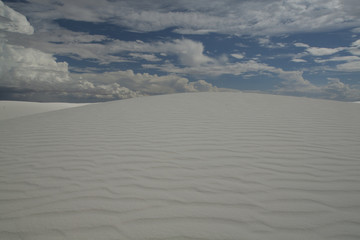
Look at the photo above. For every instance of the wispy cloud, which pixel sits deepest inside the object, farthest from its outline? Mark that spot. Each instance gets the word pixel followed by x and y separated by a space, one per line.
pixel 203 16
pixel 147 57
pixel 352 61
pixel 238 55
pixel 317 51
pixel 353 66
pixel 298 60
pixel 338 59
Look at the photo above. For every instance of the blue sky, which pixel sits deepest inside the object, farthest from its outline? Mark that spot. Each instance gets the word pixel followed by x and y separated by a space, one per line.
pixel 99 50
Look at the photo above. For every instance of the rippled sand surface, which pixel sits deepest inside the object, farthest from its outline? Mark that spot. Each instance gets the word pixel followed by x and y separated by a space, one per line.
pixel 183 166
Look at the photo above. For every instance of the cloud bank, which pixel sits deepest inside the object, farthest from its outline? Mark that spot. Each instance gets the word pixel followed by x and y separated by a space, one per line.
pixel 242 17
pixel 30 70
pixel 28 73
pixel 40 75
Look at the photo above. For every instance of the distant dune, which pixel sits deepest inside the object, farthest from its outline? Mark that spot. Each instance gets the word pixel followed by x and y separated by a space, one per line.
pixel 13 109
pixel 183 166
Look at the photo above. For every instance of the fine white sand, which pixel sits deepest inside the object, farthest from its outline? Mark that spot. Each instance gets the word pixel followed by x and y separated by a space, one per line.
pixel 13 109
pixel 183 166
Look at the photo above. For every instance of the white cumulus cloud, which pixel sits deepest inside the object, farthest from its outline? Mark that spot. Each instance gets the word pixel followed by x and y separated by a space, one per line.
pixel 12 21
pixel 30 68
pixel 34 74
pixel 22 67
pixel 190 53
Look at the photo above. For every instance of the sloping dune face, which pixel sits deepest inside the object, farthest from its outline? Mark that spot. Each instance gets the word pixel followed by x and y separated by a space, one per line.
pixel 13 109
pixel 183 166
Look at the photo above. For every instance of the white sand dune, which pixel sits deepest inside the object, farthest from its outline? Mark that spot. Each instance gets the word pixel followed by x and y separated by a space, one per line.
pixel 13 109
pixel 183 166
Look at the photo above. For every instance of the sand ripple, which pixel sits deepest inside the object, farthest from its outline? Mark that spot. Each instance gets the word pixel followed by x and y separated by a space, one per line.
pixel 183 166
